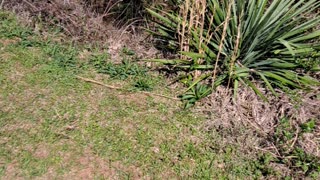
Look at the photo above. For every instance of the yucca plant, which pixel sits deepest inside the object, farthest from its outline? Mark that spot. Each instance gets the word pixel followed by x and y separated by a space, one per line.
pixel 244 41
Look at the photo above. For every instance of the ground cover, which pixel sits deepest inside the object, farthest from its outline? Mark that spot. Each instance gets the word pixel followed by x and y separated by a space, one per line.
pixel 55 125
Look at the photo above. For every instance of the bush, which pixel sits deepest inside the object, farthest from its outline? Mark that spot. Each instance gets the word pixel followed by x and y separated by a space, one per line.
pixel 243 41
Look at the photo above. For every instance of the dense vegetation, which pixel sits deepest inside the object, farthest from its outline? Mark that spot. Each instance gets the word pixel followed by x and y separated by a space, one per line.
pixel 243 42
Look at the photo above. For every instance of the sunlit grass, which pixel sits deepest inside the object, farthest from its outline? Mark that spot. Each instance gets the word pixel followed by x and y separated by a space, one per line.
pixel 51 122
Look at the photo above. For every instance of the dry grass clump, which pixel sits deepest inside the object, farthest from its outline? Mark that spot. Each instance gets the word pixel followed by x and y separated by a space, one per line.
pixel 249 110
pixel 257 126
pixel 71 16
pixel 84 21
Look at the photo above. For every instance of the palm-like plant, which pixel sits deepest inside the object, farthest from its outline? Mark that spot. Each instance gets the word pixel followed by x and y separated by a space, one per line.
pixel 241 41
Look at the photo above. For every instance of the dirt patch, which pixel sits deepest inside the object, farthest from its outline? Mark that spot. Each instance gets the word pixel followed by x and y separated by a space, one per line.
pixel 90 166
pixel 140 100
pixel 7 42
pixel 12 171
pixel 42 151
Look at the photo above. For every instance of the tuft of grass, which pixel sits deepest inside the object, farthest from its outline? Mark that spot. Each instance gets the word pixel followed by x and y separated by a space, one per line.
pixel 121 71
pixel 10 27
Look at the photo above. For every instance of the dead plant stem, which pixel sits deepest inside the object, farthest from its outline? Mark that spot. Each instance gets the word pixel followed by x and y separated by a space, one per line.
pixel 119 88
pixel 235 51
pixel 224 33
pixel 1 5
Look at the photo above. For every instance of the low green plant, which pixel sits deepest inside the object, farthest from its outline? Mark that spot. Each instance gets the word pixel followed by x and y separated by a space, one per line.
pixel 128 51
pixel 63 56
pixel 241 42
pixel 308 126
pixel 143 84
pixel 10 27
pixel 290 154
pixel 195 93
pixel 99 61
pixel 262 165
pixel 119 71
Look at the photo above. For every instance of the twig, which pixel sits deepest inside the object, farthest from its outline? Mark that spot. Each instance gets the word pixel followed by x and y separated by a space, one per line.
pixel 223 36
pixel 264 150
pixel 30 4
pixel 275 148
pixel 295 139
pixel 1 5
pixel 119 88
pixel 257 127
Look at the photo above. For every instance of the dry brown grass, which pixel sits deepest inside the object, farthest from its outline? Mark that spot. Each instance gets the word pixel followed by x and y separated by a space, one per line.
pixel 82 21
pixel 249 122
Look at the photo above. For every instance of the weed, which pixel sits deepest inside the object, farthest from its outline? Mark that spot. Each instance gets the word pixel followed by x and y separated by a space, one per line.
pixel 290 154
pixel 128 52
pixel 309 126
pixel 99 61
pixel 194 94
pixel 65 57
pixel 10 28
pixel 119 71
pixel 143 84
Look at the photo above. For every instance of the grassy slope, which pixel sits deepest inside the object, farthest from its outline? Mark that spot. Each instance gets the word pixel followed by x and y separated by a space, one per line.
pixel 54 125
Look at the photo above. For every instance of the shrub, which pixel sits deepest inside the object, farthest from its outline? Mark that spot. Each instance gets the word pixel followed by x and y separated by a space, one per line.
pixel 235 42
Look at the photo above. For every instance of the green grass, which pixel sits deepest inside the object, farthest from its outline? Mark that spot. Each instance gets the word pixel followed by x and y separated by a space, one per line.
pixel 53 125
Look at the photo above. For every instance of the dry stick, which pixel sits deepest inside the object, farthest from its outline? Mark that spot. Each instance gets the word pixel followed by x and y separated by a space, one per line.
pixel 30 4
pixel 235 51
pixel 259 129
pixel 221 43
pixel 110 7
pixel 295 139
pixel 127 27
pixel 118 88
pixel 190 25
pixel 264 150
pixel 182 32
pixel 209 33
pixel 1 5
pixel 201 14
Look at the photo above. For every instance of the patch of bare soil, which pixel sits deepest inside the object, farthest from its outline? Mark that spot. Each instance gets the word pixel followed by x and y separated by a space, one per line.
pixel 140 100
pixel 13 172
pixel 90 166
pixel 7 42
pixel 42 151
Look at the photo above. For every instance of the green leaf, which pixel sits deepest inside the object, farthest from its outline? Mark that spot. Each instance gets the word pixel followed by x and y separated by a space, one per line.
pixel 255 89
pixel 268 84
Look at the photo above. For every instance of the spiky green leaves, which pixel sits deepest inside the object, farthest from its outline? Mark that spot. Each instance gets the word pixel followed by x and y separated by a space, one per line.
pixel 247 40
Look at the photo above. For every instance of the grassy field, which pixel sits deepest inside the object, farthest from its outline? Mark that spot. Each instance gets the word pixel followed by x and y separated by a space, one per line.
pixel 55 125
